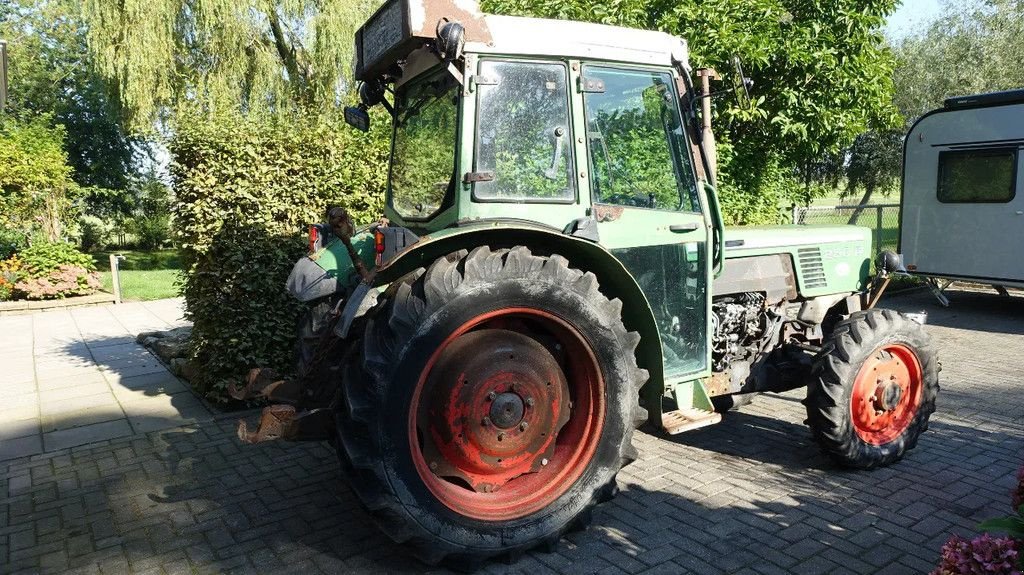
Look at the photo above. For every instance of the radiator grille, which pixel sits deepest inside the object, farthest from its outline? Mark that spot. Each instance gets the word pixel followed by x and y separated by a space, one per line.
pixel 811 270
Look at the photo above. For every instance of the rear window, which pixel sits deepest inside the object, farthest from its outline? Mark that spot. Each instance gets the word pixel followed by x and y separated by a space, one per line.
pixel 977 176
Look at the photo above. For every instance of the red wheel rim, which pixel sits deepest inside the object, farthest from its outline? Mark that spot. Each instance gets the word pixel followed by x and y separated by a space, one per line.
pixel 886 394
pixel 506 414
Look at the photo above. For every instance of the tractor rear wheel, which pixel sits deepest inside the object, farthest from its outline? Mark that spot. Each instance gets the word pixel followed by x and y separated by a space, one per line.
pixel 872 394
pixel 494 405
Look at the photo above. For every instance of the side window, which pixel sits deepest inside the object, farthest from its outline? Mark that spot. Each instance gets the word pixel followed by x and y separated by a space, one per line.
pixel 977 176
pixel 637 143
pixel 522 146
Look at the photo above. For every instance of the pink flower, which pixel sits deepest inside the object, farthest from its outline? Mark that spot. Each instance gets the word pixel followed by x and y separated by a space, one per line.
pixel 983 555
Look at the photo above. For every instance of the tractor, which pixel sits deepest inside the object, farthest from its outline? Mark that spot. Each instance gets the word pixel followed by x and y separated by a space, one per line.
pixel 552 272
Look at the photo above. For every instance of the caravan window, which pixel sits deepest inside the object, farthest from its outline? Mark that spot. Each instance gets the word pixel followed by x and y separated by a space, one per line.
pixel 971 176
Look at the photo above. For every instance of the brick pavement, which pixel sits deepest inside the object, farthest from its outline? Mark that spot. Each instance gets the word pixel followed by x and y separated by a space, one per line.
pixel 750 495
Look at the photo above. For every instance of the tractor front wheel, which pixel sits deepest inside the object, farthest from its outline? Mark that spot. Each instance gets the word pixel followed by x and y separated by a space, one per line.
pixel 494 405
pixel 872 394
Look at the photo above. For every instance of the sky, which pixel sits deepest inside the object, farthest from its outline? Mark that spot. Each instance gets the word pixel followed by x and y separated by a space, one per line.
pixel 911 16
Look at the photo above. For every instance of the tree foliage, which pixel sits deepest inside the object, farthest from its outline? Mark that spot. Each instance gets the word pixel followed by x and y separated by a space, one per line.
pixel 36 189
pixel 973 47
pixel 246 189
pixel 50 73
pixel 224 55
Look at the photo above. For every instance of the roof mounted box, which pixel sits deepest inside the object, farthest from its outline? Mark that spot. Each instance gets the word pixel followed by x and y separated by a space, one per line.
pixel 401 26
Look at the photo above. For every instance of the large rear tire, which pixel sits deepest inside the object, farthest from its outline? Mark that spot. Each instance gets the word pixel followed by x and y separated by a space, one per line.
pixel 493 407
pixel 872 394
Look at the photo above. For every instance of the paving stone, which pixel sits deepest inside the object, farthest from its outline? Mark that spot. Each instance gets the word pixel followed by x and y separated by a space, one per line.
pixel 21 446
pixel 73 404
pixel 81 417
pixel 86 434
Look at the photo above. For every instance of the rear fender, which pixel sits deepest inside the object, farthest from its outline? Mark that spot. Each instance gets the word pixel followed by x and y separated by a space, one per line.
pixel 614 281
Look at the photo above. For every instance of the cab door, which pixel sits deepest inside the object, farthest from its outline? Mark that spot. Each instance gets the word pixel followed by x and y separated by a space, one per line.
pixel 646 202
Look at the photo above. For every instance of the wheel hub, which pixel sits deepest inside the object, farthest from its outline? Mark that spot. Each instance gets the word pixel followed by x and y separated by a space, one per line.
pixel 887 395
pixel 507 410
pixel 498 400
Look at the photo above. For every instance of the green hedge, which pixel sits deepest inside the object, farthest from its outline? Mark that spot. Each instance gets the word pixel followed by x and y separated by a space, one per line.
pixel 245 191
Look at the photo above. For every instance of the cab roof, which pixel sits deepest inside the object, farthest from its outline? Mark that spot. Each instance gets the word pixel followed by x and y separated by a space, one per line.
pixel 513 35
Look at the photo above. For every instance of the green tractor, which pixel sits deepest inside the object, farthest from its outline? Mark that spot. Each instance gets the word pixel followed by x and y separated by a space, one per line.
pixel 553 272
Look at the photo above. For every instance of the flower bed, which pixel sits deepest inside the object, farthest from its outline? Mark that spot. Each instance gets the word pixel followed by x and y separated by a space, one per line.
pixel 48 270
pixel 987 554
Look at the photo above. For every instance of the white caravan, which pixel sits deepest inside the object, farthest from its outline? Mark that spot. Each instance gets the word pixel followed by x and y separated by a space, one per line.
pixel 962 207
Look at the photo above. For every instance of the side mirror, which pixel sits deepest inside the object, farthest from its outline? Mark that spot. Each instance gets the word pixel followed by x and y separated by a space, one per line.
pixel 741 83
pixel 358 118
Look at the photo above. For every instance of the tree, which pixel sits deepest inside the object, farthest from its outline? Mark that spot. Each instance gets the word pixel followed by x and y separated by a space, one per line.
pixel 51 74
pixel 821 71
pixel 875 162
pixel 36 189
pixel 974 47
pixel 215 56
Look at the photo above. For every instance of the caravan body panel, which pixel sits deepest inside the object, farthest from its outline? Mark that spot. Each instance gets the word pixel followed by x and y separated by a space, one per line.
pixel 962 213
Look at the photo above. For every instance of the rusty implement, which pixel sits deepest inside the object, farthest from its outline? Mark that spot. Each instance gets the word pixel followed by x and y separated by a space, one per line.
pixel 265 383
pixel 275 423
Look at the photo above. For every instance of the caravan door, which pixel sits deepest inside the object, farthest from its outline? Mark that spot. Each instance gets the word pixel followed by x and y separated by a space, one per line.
pixel 963 195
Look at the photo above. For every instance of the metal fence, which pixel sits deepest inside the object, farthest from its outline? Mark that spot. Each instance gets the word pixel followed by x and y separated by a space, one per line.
pixel 883 219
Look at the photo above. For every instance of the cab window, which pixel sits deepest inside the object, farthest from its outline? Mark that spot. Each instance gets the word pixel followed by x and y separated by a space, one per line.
pixel 522 145
pixel 639 155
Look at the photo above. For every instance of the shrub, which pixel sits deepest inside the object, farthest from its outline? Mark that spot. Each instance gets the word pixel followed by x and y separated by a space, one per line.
pixel 245 192
pixel 983 555
pixel 36 189
pixel 151 232
pixel 11 242
pixel 95 233
pixel 65 281
pixel 44 258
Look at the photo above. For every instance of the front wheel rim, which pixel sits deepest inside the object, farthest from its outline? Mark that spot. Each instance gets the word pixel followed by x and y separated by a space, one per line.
pixel 886 394
pixel 506 414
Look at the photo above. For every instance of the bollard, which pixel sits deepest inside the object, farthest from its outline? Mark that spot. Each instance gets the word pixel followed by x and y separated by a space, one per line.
pixel 115 269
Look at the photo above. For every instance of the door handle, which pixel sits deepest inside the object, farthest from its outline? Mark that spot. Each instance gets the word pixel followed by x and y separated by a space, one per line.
pixel 683 228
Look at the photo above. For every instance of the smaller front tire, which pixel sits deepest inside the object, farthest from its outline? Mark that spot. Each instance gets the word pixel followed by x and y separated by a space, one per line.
pixel 873 392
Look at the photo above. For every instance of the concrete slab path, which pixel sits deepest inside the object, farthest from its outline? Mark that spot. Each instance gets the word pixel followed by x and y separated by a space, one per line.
pixel 76 376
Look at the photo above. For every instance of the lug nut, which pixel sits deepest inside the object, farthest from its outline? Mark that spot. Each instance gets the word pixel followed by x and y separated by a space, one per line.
pixel 523 426
pixel 433 465
pixel 491 396
pixel 529 402
pixel 501 435
pixel 486 421
pixel 544 461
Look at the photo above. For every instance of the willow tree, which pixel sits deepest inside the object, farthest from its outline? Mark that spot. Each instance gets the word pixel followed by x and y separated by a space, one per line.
pixel 249 56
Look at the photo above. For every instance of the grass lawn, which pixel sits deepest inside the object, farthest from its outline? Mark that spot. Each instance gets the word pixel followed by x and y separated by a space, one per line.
pixel 145 275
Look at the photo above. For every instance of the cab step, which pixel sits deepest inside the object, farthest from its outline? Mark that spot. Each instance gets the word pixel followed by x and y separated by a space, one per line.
pixel 688 419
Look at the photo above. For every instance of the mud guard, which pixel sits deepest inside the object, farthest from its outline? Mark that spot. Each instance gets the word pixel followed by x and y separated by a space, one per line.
pixel 614 279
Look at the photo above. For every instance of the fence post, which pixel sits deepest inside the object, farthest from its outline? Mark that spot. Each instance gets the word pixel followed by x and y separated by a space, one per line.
pixel 794 212
pixel 878 229
pixel 115 276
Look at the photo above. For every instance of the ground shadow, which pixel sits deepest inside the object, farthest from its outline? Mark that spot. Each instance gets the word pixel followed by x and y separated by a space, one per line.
pixel 197 497
pixel 968 309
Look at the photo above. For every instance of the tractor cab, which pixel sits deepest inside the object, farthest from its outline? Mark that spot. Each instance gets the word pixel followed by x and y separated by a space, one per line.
pixel 583 130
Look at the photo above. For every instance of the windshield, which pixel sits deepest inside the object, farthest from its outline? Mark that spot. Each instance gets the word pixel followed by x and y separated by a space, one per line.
pixel 423 149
